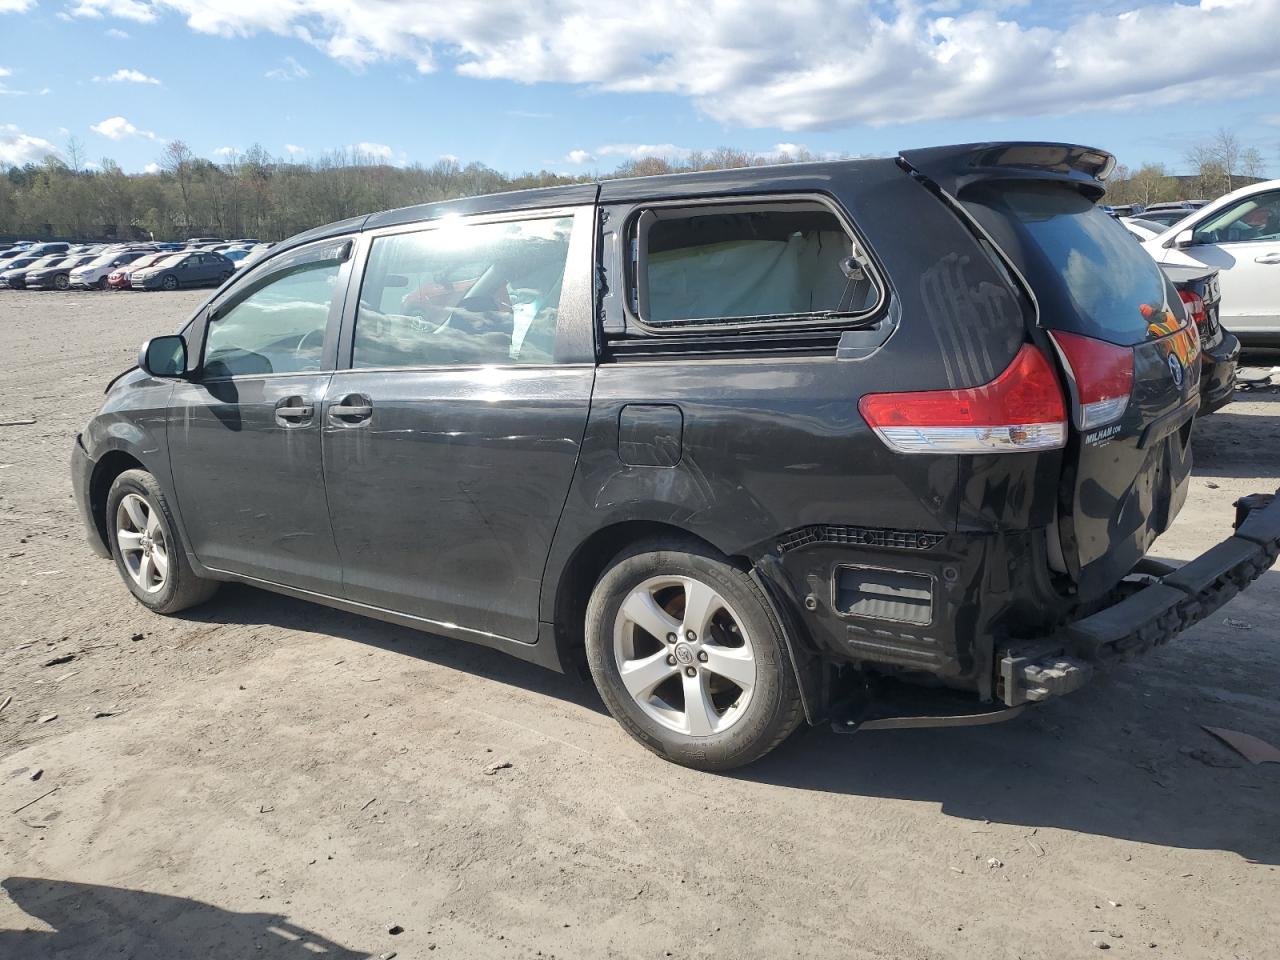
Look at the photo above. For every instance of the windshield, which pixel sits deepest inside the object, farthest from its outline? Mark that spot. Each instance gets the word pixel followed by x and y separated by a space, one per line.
pixel 1084 267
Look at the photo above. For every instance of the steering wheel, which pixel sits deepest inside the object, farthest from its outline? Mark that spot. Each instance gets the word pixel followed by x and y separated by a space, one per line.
pixel 468 308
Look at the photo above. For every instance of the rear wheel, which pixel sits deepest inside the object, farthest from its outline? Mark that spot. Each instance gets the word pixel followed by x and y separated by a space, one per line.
pixel 145 545
pixel 689 657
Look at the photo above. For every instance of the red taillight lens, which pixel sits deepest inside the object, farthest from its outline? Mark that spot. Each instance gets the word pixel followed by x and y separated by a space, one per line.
pixel 1195 306
pixel 1022 409
pixel 1103 376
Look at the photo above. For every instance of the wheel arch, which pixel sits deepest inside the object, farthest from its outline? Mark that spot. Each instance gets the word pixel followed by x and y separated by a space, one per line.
pixel 109 466
pixel 571 588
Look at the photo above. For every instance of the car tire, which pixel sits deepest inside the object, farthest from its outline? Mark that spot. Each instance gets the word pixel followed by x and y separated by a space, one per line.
pixel 169 282
pixel 716 691
pixel 223 278
pixel 61 282
pixel 146 547
pixel 102 283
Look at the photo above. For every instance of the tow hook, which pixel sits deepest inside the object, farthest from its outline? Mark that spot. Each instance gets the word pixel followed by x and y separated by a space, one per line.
pixel 1031 676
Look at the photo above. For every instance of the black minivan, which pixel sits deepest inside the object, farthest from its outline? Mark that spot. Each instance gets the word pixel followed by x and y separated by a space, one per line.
pixel 758 445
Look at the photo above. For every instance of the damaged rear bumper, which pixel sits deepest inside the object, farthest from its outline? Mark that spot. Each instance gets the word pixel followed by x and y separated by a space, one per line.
pixel 1150 616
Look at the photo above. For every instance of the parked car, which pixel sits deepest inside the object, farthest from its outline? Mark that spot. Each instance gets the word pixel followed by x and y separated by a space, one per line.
pixel 1166 218
pixel 204 241
pixel 15 278
pixel 169 245
pixel 48 249
pixel 122 277
pixel 1239 234
pixel 13 271
pixel 192 269
pixel 1142 229
pixel 1201 295
pixel 13 253
pixel 239 257
pixel 56 276
pixel 732 437
pixel 94 274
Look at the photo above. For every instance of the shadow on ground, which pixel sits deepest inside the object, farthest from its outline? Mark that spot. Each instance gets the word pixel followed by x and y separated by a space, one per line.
pixel 90 921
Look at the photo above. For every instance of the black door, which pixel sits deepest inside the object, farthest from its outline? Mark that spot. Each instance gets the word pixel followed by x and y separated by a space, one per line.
pixel 450 442
pixel 244 433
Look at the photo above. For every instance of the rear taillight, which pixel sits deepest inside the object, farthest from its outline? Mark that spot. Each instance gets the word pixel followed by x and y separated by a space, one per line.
pixel 1102 374
pixel 1195 306
pixel 1022 409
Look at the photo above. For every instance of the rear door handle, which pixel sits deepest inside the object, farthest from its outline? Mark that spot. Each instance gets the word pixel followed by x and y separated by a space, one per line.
pixel 294 411
pixel 353 408
pixel 1268 258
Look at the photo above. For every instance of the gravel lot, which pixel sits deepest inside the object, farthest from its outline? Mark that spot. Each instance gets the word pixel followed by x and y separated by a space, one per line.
pixel 265 778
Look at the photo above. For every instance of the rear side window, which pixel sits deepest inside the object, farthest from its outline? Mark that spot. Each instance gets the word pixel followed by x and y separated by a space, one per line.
pixel 740 264
pixel 463 293
pixel 1083 265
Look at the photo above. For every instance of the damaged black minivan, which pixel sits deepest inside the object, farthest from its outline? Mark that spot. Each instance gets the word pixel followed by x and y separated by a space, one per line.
pixel 760 446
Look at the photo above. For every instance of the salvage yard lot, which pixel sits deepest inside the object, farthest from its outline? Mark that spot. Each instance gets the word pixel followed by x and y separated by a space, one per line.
pixel 259 777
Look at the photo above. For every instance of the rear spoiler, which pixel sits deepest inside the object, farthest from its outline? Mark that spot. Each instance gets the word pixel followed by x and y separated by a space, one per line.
pixel 955 168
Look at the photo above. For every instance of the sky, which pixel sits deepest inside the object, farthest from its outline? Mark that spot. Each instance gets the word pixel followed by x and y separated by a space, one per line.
pixel 581 85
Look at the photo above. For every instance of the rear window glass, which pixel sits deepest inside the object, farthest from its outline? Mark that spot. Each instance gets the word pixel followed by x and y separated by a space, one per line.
pixel 745 264
pixel 1081 260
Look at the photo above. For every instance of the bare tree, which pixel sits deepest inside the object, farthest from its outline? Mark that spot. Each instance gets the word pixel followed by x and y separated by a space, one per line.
pixel 177 160
pixel 75 154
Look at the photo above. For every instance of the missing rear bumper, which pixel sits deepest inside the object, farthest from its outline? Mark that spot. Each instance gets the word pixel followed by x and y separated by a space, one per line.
pixel 1150 616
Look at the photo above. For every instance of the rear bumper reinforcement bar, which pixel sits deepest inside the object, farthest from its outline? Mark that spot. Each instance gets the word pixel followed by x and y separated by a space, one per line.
pixel 1150 616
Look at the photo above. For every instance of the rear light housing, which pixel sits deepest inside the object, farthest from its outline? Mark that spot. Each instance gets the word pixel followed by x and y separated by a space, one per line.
pixel 1022 409
pixel 1101 374
pixel 1194 304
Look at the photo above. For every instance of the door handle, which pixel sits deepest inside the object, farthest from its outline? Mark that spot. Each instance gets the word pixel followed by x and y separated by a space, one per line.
pixel 294 411
pixel 353 408
pixel 1268 258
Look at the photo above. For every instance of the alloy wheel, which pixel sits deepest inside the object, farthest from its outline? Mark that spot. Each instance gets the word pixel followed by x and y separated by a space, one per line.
pixel 142 543
pixel 683 655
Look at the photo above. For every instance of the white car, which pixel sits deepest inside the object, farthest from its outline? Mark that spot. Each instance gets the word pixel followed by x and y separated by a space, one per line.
pixel 1240 235
pixel 93 275
pixel 1143 229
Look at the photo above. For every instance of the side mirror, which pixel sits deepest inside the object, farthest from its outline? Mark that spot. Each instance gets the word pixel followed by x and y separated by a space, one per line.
pixel 164 356
pixel 1185 238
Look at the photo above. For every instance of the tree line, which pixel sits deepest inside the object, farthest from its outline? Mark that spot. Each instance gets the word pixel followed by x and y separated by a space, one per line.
pixel 257 195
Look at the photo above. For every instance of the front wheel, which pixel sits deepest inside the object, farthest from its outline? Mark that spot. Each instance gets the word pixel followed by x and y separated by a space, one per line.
pixel 62 282
pixel 689 657
pixel 169 282
pixel 146 548
pixel 102 283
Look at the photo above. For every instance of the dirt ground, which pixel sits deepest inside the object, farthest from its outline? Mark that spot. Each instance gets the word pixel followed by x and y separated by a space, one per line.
pixel 264 778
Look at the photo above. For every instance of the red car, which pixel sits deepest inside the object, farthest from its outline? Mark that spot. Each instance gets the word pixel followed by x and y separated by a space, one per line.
pixel 120 279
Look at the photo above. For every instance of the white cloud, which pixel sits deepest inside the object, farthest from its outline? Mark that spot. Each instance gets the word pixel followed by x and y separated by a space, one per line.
pixel 634 151
pixel 290 69
pixel 17 148
pixel 118 128
pixel 140 11
pixel 127 75
pixel 116 34
pixel 450 158
pixel 375 151
pixel 827 63
pixel 579 156
pixel 5 72
pixel 293 149
pixel 151 168
pixel 16 6
pixel 226 151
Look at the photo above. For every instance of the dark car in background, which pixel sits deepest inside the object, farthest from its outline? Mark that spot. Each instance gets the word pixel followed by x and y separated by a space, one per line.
pixel 15 277
pixel 756 445
pixel 56 276
pixel 13 271
pixel 192 269
pixel 1201 297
